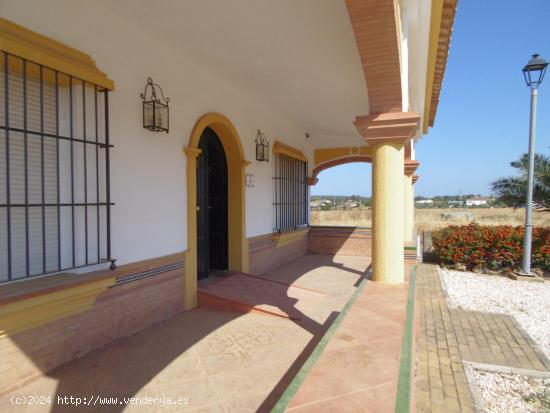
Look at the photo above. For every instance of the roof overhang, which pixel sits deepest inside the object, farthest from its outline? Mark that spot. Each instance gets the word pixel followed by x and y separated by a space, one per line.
pixel 375 26
pixel 441 26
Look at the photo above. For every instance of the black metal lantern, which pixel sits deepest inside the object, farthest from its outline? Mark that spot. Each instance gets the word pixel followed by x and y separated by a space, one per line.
pixel 262 147
pixel 155 109
pixel 534 71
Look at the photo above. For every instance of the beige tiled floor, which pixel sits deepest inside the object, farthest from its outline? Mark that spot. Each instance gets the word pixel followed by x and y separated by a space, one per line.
pixel 222 361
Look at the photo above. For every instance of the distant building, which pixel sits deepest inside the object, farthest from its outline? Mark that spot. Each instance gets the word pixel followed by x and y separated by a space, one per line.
pixel 316 204
pixel 425 201
pixel 454 203
pixel 477 201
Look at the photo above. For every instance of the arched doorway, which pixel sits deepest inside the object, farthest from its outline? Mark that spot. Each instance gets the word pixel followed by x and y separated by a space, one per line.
pixel 212 219
pixel 237 245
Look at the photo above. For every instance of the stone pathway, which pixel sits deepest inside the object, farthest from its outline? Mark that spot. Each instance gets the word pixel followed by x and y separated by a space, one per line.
pixel 441 384
pixel 446 338
pixel 491 338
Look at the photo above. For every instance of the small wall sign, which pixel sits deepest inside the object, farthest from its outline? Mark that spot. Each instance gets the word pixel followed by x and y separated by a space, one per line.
pixel 249 180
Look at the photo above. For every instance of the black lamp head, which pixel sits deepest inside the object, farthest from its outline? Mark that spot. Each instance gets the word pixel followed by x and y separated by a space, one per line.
pixel 534 71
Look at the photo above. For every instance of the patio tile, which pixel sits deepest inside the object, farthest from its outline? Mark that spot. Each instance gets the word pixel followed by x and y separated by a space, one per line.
pixel 262 294
pixel 247 404
pixel 214 408
pixel 378 399
pixel 367 325
pixel 340 372
pixel 222 360
pixel 243 382
pixel 202 393
pixel 181 370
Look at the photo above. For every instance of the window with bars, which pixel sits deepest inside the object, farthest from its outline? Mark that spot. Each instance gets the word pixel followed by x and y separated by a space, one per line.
pixel 290 206
pixel 54 171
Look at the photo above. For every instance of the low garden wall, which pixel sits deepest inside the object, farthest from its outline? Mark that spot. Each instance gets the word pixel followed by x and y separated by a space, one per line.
pixel 340 240
pixel 269 251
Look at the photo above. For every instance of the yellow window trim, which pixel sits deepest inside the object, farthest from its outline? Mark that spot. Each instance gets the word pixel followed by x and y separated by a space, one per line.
pixel 284 149
pixel 282 239
pixel 27 44
pixel 34 311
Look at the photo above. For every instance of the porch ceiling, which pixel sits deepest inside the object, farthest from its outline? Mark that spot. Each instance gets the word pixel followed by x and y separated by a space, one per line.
pixel 298 57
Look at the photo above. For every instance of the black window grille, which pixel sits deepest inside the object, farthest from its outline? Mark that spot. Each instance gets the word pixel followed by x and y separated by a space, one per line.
pixel 290 206
pixel 54 162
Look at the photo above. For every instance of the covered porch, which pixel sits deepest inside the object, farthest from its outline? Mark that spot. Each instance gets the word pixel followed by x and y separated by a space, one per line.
pixel 235 361
pixel 114 236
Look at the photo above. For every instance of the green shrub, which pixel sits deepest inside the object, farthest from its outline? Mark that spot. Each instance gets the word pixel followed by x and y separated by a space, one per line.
pixel 492 247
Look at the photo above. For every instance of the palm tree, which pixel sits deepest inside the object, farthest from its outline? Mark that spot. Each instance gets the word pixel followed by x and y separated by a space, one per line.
pixel 513 190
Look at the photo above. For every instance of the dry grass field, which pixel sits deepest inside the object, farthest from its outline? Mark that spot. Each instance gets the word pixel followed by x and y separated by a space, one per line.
pixel 428 219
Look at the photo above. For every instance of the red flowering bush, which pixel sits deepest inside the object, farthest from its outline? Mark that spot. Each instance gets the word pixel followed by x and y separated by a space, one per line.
pixel 492 247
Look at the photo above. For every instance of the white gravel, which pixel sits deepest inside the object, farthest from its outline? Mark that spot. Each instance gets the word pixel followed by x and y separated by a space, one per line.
pixel 528 302
pixel 513 393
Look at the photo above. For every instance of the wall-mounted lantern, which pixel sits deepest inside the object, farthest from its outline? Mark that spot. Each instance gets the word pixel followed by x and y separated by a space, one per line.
pixel 262 147
pixel 155 109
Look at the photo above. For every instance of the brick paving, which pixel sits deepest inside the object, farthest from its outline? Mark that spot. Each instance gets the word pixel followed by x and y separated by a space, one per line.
pixel 441 384
pixel 491 338
pixel 447 337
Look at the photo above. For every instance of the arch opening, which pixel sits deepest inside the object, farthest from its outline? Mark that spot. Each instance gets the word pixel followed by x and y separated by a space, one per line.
pixel 341 208
pixel 342 193
pixel 313 179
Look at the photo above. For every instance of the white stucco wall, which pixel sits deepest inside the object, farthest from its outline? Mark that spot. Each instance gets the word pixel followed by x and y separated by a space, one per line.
pixel 148 182
pixel 404 53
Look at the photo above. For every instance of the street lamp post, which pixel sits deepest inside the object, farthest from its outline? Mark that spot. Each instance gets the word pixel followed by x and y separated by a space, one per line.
pixel 533 72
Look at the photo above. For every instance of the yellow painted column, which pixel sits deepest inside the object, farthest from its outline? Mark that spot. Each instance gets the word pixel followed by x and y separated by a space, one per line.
pixel 388 212
pixel 190 260
pixel 408 207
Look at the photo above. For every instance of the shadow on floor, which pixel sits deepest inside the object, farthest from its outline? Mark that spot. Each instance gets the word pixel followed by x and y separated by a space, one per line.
pixel 191 354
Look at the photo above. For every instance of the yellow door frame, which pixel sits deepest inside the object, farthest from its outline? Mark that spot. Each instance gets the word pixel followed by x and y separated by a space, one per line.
pixel 236 164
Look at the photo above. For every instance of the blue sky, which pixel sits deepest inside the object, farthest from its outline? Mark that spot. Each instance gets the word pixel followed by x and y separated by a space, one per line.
pixel 483 115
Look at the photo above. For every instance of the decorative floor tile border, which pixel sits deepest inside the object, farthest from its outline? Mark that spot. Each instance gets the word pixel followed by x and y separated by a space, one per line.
pixel 403 397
